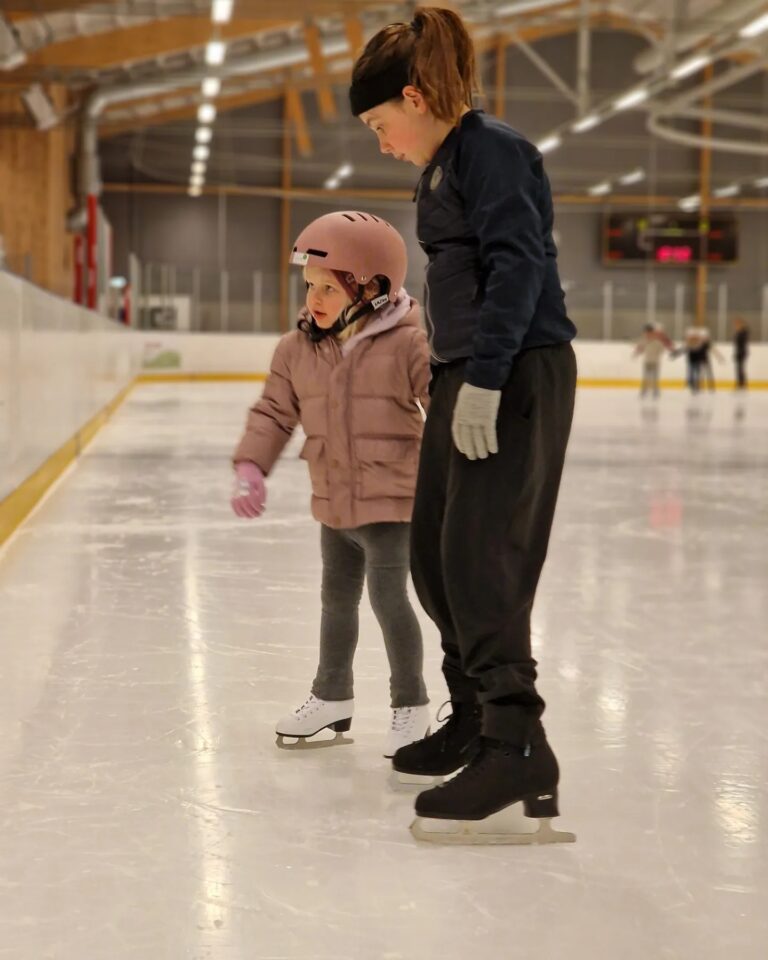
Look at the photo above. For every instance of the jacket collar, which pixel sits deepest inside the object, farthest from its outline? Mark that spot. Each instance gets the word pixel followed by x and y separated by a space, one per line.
pixel 384 319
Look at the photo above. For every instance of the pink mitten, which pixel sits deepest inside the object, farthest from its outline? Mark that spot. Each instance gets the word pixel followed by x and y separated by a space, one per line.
pixel 250 493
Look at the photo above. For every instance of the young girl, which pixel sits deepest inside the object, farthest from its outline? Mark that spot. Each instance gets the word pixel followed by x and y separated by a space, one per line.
pixel 502 403
pixel 352 374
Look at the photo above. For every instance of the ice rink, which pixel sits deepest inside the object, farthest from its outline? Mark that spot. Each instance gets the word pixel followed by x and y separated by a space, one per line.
pixel 150 641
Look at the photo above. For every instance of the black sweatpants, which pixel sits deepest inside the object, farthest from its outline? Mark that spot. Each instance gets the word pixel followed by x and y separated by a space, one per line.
pixel 480 532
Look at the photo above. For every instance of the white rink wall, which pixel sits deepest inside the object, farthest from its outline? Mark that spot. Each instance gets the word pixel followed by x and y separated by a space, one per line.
pixel 59 366
pixel 211 353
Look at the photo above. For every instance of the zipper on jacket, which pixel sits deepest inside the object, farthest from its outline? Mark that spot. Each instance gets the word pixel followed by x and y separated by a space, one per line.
pixel 428 319
pixel 352 454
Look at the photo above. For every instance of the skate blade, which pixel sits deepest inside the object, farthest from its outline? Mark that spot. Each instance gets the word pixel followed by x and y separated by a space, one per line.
pixel 286 742
pixel 508 826
pixel 411 782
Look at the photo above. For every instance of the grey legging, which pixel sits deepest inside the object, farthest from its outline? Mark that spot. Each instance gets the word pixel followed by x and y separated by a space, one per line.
pixel 380 552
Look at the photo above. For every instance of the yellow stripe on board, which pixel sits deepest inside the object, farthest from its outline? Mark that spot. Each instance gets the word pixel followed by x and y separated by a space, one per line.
pixel 17 506
pixel 168 377
pixel 723 385
pixel 599 382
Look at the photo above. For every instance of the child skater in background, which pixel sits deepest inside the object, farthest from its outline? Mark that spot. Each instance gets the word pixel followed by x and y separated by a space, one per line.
pixel 353 374
pixel 497 429
pixel 652 346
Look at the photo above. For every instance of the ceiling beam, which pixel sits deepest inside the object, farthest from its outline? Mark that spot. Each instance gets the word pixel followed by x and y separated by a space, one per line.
pixel 187 112
pixel 616 201
pixel 115 125
pixel 354 30
pixel 238 190
pixel 144 42
pixel 325 98
pixel 294 109
pixel 18 10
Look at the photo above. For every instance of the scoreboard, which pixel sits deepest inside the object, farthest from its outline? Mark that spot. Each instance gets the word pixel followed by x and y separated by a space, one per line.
pixel 675 239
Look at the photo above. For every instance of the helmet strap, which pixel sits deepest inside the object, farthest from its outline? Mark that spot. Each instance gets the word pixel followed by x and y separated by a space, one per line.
pixel 358 309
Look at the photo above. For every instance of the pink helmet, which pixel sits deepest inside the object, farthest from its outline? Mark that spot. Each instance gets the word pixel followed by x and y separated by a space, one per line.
pixel 356 243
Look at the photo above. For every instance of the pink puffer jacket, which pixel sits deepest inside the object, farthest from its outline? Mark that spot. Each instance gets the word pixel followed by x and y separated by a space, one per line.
pixel 357 405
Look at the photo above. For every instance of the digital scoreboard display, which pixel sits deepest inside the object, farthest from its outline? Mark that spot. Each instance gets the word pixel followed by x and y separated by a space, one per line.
pixel 676 239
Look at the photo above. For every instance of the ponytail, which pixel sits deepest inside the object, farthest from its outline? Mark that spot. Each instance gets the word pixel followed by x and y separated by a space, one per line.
pixel 434 53
pixel 443 64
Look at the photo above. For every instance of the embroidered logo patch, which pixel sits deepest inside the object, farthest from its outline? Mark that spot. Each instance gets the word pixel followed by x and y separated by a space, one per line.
pixel 300 258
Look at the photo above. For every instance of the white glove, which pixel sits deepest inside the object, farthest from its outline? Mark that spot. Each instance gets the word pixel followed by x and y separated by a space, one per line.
pixel 474 421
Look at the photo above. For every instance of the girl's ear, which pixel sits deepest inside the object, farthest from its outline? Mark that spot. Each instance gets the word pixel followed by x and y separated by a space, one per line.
pixel 414 99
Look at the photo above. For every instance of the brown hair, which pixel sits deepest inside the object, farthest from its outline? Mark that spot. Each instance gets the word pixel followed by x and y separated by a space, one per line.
pixel 440 53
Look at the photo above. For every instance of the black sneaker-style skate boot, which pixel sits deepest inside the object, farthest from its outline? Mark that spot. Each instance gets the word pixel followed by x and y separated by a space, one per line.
pixel 497 775
pixel 447 749
pixel 517 784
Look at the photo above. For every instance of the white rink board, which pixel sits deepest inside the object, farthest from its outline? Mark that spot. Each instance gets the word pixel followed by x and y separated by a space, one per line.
pixel 59 365
pixel 211 353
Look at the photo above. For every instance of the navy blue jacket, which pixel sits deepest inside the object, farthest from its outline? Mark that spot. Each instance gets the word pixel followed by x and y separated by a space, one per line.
pixel 484 218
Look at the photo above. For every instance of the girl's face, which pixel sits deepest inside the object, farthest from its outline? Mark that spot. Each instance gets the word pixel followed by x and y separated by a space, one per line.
pixel 406 128
pixel 326 298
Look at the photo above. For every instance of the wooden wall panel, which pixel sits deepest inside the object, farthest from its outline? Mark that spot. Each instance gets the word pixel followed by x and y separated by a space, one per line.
pixel 35 197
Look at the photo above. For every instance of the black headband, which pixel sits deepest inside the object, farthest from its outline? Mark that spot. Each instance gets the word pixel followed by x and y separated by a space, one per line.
pixel 370 92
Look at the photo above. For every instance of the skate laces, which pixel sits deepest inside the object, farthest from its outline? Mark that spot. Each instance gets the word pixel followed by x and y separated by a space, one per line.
pixel 306 707
pixel 477 756
pixel 401 718
pixel 450 715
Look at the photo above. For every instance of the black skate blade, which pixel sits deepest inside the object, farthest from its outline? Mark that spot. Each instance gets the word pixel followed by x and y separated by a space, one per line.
pixel 508 826
pixel 286 742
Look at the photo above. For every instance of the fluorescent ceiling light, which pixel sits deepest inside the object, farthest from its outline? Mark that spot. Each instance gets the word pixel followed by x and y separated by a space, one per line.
pixel 687 67
pixel 732 190
pixel 203 135
pixel 549 144
pixel 211 87
pixel 586 123
pixel 206 113
pixel 600 189
pixel 634 176
pixel 523 6
pixel 198 166
pixel 195 191
pixel 215 53
pixel 221 11
pixel 12 53
pixel 196 181
pixel 201 152
pixel 40 107
pixel 345 170
pixel 631 99
pixel 762 183
pixel 755 28
pixel 331 183
pixel 690 203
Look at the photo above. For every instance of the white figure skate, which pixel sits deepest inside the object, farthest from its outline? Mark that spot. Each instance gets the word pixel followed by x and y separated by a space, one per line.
pixel 409 724
pixel 295 730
